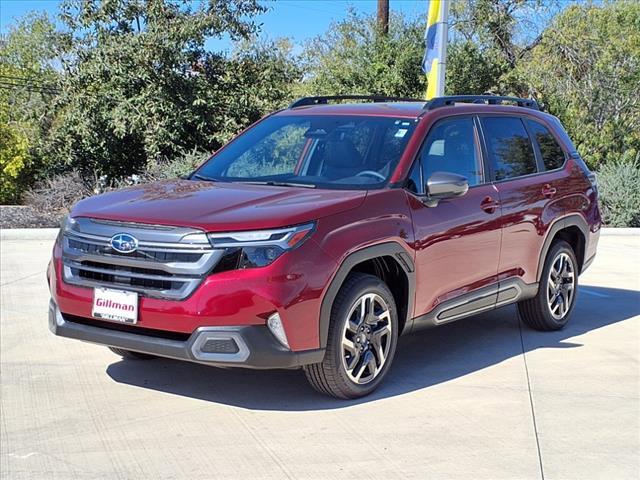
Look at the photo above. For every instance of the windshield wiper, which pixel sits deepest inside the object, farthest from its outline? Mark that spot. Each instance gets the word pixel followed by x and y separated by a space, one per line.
pixel 204 177
pixel 280 184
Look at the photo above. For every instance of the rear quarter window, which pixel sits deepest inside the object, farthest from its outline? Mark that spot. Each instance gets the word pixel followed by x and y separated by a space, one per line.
pixel 509 147
pixel 550 150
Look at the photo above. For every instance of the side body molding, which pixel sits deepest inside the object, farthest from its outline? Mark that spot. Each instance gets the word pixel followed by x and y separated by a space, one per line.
pixel 387 249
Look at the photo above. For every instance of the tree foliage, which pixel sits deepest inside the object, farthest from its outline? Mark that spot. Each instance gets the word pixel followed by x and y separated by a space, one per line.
pixel 508 28
pixel 471 69
pixel 140 85
pixel 354 56
pixel 131 87
pixel 28 83
pixel 14 157
pixel 586 69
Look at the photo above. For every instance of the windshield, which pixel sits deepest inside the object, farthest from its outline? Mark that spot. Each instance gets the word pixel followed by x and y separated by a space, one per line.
pixel 354 152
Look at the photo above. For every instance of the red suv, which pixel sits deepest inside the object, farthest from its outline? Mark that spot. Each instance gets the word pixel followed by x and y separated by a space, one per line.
pixel 324 231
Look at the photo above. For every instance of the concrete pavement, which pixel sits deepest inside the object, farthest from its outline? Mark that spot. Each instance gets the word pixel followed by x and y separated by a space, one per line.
pixel 480 398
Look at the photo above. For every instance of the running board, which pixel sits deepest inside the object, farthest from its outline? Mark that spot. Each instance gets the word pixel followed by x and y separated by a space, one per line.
pixel 478 301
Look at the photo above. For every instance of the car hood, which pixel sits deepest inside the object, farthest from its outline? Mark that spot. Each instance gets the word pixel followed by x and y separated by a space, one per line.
pixel 217 206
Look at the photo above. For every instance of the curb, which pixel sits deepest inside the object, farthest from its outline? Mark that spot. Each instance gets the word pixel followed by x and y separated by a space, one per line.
pixel 51 233
pixel 28 234
pixel 619 232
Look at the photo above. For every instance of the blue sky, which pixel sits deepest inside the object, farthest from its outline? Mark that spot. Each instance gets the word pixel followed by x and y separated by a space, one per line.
pixel 299 20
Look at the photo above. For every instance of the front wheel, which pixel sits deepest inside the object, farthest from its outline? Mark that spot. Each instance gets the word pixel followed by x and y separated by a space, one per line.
pixel 363 334
pixel 551 307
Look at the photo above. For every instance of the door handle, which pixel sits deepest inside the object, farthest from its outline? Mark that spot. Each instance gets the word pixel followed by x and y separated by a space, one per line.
pixel 548 191
pixel 489 205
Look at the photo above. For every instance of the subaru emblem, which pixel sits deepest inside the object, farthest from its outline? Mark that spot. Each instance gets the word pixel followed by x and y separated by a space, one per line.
pixel 124 243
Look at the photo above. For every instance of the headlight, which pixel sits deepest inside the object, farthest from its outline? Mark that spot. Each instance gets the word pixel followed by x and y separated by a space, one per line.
pixel 257 248
pixel 66 224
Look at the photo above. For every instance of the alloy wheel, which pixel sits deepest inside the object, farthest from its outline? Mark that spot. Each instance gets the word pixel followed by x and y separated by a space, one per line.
pixel 561 286
pixel 366 338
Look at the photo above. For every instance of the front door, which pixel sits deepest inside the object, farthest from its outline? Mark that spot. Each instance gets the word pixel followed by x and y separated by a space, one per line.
pixel 457 242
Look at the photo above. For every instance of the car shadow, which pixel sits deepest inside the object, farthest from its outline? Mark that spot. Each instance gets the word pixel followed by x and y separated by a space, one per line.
pixel 424 359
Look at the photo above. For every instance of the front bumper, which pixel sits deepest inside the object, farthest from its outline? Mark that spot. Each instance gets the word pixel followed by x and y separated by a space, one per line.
pixel 251 346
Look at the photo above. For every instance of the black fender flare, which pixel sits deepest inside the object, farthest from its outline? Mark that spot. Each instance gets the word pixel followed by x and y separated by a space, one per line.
pixel 573 220
pixel 387 249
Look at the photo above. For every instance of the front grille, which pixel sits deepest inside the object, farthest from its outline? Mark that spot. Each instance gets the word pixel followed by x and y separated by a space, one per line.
pixel 170 262
pixel 150 255
pixel 123 275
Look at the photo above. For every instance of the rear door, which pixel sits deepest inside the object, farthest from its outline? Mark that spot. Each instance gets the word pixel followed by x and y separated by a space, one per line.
pixel 457 242
pixel 526 193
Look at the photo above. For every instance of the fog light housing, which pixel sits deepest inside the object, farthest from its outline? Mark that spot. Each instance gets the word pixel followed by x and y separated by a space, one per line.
pixel 275 325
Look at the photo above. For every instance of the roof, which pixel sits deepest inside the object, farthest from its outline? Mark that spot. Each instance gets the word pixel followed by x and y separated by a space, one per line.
pixel 378 105
pixel 390 109
pixel 406 109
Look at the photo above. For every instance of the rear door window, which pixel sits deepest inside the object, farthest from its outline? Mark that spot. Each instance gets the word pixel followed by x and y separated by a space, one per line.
pixel 550 150
pixel 509 147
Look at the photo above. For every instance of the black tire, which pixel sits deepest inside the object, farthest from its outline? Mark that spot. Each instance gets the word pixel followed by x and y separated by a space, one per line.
pixel 330 376
pixel 536 312
pixel 130 355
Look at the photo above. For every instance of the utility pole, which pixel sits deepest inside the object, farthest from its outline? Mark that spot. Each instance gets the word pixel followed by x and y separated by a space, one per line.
pixel 383 16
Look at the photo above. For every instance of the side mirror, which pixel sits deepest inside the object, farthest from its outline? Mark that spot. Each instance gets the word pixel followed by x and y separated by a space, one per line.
pixel 441 185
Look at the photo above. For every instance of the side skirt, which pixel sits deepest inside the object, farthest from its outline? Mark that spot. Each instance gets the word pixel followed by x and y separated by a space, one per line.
pixel 487 298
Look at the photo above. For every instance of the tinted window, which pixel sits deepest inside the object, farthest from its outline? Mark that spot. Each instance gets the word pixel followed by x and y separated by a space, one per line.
pixel 509 147
pixel 276 153
pixel 451 147
pixel 552 154
pixel 414 182
pixel 393 143
pixel 319 150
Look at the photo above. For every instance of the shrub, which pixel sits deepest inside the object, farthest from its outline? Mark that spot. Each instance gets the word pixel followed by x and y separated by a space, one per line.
pixel 619 185
pixel 57 194
pixel 181 165
pixel 14 156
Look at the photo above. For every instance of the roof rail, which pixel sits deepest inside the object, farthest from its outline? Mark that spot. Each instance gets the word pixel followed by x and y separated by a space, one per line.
pixel 324 99
pixel 489 99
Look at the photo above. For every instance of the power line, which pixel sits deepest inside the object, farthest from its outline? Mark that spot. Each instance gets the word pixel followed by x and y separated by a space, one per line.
pixel 7 85
pixel 11 83
pixel 22 77
pixel 29 80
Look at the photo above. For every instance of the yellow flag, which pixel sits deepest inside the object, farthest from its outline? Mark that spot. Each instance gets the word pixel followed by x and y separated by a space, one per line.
pixel 435 39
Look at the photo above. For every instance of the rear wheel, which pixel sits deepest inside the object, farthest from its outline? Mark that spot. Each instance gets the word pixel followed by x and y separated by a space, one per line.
pixel 362 339
pixel 551 307
pixel 130 355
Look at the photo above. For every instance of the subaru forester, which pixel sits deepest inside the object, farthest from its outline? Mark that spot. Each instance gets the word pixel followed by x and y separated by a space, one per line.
pixel 324 231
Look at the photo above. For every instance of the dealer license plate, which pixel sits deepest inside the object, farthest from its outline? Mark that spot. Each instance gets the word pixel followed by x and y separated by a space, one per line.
pixel 115 305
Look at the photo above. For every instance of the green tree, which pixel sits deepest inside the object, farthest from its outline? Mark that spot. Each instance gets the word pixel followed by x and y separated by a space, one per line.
pixel 139 84
pixel 509 28
pixel 471 70
pixel 260 76
pixel 14 157
pixel 28 83
pixel 586 69
pixel 355 57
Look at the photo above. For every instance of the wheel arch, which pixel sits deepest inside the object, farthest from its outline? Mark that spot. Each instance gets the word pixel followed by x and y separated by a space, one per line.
pixel 388 260
pixel 574 230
